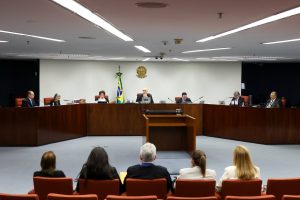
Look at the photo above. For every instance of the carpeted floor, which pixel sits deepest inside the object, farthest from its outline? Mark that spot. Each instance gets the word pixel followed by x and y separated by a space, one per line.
pixel 17 164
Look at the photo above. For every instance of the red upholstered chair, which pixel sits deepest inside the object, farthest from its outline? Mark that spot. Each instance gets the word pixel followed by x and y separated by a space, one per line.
pixel 48 100
pixel 246 100
pixel 195 188
pixel 261 197
pixel 18 102
pixel 240 188
pixel 191 198
pixel 177 99
pixel 115 197
pixel 101 188
pixel 291 197
pixel 18 196
pixel 143 187
pixel 283 102
pixel 53 196
pixel 280 187
pixel 44 186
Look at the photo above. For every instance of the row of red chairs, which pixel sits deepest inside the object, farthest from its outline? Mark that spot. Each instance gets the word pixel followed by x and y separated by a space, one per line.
pixel 158 187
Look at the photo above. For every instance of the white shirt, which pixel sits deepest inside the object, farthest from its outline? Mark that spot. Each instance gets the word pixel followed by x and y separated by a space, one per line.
pixel 230 173
pixel 195 173
pixel 102 100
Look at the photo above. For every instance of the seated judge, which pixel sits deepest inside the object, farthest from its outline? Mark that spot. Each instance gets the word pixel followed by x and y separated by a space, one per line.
pixel 56 100
pixel 29 101
pixel 237 100
pixel 147 169
pixel 145 97
pixel 273 102
pixel 184 98
pixel 102 98
pixel 48 166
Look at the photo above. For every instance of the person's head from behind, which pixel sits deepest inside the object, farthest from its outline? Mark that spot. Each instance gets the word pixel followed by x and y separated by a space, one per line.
pixel 245 168
pixel 30 94
pixel 56 97
pixel 148 152
pixel 199 159
pixel 48 162
pixel 273 95
pixel 97 163
pixel 102 94
pixel 236 94
pixel 184 95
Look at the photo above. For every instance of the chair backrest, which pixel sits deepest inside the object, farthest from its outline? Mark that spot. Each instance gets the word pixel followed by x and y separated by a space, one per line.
pixel 177 99
pixel 246 100
pixel 18 102
pixel 53 196
pixel 280 187
pixel 142 187
pixel 283 102
pixel 101 188
pixel 191 198
pixel 241 187
pixel 291 197
pixel 47 100
pixel 195 188
pixel 44 186
pixel 261 197
pixel 115 197
pixel 18 196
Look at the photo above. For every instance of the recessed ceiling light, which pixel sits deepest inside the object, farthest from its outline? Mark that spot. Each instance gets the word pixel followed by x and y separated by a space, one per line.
pixel 215 59
pixel 91 17
pixel 33 36
pixel 283 41
pixel 143 49
pixel 203 50
pixel 151 4
pixel 245 58
pixel 2 41
pixel 272 18
pixel 179 59
pixel 146 59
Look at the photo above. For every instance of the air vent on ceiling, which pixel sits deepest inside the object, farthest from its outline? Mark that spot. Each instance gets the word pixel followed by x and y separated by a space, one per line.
pixel 151 4
pixel 86 37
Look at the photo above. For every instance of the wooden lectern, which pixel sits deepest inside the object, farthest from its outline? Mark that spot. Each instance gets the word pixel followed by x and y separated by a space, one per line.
pixel 171 132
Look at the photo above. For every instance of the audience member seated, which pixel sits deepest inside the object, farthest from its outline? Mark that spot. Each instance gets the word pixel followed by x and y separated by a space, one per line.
pixel 184 98
pixel 56 100
pixel 102 98
pixel 145 97
pixel 198 169
pixel 237 100
pixel 97 167
pixel 273 102
pixel 48 165
pixel 29 101
pixel 147 169
pixel 243 167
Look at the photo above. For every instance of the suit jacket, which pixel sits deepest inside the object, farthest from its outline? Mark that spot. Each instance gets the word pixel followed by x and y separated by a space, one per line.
pixel 55 103
pixel 57 174
pixel 241 102
pixel 188 100
pixel 275 104
pixel 195 173
pixel 27 103
pixel 101 176
pixel 139 98
pixel 230 173
pixel 149 171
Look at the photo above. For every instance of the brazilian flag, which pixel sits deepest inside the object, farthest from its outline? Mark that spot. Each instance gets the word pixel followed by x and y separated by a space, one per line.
pixel 120 93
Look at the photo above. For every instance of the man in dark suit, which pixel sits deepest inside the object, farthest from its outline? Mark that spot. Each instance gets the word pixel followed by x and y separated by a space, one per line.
pixel 237 100
pixel 184 98
pixel 145 97
pixel 147 170
pixel 273 102
pixel 29 100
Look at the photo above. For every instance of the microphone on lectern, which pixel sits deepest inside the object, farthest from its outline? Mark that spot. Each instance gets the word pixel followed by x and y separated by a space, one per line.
pixel 198 99
pixel 171 100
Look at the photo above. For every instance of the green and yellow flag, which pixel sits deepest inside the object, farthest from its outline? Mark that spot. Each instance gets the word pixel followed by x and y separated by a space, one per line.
pixel 120 93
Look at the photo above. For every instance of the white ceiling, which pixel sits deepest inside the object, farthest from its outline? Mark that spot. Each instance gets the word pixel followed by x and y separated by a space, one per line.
pixel 190 20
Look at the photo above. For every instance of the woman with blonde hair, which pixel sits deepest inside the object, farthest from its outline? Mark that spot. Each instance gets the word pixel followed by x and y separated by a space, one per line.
pixel 243 167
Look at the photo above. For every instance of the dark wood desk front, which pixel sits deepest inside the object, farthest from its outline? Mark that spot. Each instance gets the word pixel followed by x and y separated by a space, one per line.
pixel 43 125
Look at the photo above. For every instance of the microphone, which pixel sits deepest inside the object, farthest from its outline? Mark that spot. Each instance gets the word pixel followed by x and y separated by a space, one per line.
pixel 171 100
pixel 198 99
